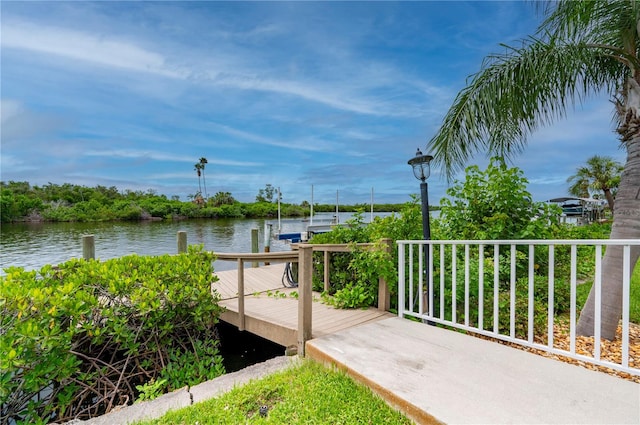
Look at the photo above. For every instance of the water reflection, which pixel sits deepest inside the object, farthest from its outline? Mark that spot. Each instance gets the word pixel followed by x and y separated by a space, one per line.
pixel 33 245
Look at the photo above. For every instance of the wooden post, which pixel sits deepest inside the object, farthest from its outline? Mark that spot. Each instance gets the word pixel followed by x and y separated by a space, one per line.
pixel 267 240
pixel 88 247
pixel 254 245
pixel 182 242
pixel 384 296
pixel 305 296
pixel 241 323
pixel 327 265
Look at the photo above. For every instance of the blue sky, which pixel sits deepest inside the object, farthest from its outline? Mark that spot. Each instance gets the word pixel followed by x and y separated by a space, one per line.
pixel 330 94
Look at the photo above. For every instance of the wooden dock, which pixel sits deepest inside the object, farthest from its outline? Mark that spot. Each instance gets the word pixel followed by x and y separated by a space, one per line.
pixel 272 311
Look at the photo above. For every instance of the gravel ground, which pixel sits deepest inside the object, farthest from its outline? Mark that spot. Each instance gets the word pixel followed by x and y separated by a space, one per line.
pixel 609 350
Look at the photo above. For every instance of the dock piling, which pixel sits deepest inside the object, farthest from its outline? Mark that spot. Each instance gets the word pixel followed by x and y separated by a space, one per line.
pixel 254 245
pixel 182 242
pixel 88 247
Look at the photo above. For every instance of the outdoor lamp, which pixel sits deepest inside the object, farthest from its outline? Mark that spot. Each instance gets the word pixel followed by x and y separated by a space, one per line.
pixel 422 170
pixel 420 164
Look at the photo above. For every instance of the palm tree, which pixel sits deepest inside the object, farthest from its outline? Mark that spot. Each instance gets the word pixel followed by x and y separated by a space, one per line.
pixel 601 173
pixel 198 167
pixel 581 48
pixel 580 184
pixel 203 162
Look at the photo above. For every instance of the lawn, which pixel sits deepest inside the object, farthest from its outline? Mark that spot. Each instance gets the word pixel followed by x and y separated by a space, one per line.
pixel 308 393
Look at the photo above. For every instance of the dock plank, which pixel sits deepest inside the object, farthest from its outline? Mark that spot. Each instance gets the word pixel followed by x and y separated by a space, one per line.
pixel 256 280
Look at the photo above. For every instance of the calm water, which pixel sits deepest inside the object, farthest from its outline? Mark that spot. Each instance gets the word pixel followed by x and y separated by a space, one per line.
pixel 33 245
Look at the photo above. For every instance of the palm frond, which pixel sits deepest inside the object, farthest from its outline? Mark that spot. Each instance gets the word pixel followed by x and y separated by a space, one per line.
pixel 515 93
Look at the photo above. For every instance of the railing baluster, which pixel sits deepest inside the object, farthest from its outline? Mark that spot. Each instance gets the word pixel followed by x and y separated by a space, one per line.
pixel 626 283
pixel 466 284
pixel 401 279
pixel 481 286
pixel 421 267
pixel 442 281
pixel 496 283
pixel 598 306
pixel 512 298
pixel 411 278
pixel 430 280
pixel 454 280
pixel 530 289
pixel 572 311
pixel 550 309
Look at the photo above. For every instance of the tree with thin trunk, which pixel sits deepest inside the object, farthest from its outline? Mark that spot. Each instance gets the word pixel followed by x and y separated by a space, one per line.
pixel 198 169
pixel 581 48
pixel 601 173
pixel 203 162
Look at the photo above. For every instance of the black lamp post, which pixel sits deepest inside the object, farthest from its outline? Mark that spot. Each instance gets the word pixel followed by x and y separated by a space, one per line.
pixel 422 170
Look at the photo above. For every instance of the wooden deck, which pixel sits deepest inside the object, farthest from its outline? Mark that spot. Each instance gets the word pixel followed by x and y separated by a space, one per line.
pixel 271 311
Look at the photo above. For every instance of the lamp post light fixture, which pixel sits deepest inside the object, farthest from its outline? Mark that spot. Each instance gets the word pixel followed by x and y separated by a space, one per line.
pixel 422 170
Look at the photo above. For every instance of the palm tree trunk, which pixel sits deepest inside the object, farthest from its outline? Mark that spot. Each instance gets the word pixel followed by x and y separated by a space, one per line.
pixel 626 225
pixel 609 197
pixel 204 182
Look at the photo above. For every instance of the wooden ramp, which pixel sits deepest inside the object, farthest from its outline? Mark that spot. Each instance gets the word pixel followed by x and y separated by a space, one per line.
pixel 271 310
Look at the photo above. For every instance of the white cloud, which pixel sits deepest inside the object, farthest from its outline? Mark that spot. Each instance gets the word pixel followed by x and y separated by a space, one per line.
pixel 19 123
pixel 316 146
pixel 239 70
pixel 162 156
pixel 100 50
pixel 8 110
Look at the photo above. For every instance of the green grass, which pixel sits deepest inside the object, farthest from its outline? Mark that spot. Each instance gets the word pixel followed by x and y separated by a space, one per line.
pixel 582 292
pixel 308 393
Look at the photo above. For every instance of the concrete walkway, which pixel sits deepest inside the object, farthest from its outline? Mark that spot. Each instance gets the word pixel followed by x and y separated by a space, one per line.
pixel 435 375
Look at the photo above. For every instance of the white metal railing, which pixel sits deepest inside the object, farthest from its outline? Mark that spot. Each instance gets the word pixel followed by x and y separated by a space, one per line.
pixel 510 289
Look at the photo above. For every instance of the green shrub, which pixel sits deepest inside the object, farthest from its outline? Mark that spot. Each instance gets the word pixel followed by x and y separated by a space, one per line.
pixel 561 298
pixel 79 338
pixel 354 282
pixel 495 204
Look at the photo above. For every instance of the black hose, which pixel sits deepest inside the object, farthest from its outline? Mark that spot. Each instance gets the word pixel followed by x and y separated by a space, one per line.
pixel 288 280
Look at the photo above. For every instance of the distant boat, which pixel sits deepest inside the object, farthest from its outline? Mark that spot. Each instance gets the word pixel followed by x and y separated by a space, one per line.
pixel 572 207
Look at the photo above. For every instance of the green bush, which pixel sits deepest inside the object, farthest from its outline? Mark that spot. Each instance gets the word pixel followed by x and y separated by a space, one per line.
pixel 79 338
pixel 495 204
pixel 354 275
pixel 366 266
pixel 14 206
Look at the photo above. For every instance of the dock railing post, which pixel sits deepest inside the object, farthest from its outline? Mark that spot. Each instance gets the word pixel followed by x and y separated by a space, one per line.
pixel 182 242
pixel 305 296
pixel 88 247
pixel 327 265
pixel 384 295
pixel 241 321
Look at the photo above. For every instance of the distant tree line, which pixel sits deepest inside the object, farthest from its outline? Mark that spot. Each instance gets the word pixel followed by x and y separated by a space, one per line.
pixel 20 201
